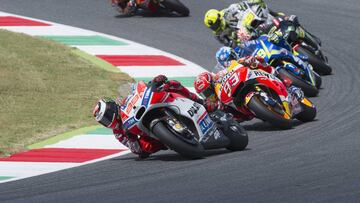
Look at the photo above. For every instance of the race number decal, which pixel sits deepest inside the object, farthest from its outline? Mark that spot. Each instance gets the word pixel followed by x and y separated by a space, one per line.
pixel 248 19
pixel 230 83
pixel 261 53
pixel 206 124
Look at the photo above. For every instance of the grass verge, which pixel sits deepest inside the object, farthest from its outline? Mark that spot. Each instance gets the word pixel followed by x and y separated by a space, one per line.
pixel 46 89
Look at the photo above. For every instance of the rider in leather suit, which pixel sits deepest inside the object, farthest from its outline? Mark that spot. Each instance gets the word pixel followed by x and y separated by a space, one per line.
pixel 107 113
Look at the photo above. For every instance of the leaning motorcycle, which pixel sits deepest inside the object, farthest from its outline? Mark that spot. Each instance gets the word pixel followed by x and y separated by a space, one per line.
pixel 158 5
pixel 264 96
pixel 309 45
pixel 288 65
pixel 179 123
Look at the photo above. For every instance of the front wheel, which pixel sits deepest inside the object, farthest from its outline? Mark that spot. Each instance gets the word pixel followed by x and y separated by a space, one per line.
pixel 267 113
pixel 308 112
pixel 238 136
pixel 177 6
pixel 308 89
pixel 191 149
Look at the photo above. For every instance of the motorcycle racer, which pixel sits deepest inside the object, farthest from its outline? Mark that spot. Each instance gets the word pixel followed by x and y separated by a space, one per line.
pixel 205 82
pixel 107 113
pixel 249 19
pixel 130 6
pixel 223 29
pixel 224 23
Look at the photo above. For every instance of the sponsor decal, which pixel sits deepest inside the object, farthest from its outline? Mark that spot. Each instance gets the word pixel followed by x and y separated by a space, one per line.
pixel 195 107
pixel 146 97
pixel 132 103
pixel 264 74
pixel 206 124
pixel 129 123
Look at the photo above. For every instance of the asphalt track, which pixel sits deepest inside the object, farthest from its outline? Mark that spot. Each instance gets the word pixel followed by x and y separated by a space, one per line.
pixel 314 162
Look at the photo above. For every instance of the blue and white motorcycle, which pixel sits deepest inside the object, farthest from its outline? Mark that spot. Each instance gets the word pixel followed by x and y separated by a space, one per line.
pixel 288 65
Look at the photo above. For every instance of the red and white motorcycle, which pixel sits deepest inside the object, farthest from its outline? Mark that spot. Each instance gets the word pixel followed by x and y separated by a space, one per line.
pixel 179 123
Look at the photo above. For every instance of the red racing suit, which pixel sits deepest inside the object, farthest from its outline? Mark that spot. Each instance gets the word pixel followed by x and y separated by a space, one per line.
pixel 240 113
pixel 130 6
pixel 145 145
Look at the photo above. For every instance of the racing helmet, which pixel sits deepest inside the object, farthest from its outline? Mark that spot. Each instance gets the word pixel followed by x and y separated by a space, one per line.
pixel 225 55
pixel 214 19
pixel 106 112
pixel 204 85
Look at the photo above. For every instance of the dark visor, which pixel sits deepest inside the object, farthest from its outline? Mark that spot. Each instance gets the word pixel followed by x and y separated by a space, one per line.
pixel 111 113
pixel 216 25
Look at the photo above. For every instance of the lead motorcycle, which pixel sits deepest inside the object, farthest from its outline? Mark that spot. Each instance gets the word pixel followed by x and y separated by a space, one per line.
pixel 167 6
pixel 179 123
pixel 263 95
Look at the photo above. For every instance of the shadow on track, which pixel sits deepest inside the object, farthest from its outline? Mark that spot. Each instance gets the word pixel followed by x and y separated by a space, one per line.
pixel 262 126
pixel 173 156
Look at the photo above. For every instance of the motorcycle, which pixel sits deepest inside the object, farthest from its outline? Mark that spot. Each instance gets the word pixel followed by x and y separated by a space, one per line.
pixel 288 65
pixel 179 123
pixel 167 6
pixel 262 95
pixel 309 45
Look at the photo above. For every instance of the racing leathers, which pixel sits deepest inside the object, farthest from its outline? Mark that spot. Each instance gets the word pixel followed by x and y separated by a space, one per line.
pixel 130 6
pixel 239 113
pixel 228 34
pixel 144 145
pixel 234 15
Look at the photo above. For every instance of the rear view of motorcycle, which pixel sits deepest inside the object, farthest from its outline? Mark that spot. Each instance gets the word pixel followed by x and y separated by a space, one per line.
pixel 180 123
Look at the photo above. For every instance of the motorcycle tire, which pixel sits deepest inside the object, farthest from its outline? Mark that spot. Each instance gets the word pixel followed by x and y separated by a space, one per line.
pixel 318 80
pixel 187 150
pixel 308 113
pixel 238 136
pixel 308 89
pixel 177 6
pixel 318 64
pixel 263 112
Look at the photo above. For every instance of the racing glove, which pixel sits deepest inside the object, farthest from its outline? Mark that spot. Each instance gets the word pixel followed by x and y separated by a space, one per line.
pixel 250 62
pixel 159 80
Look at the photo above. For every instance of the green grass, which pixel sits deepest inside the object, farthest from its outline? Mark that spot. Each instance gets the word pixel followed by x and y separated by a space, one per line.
pixel 46 89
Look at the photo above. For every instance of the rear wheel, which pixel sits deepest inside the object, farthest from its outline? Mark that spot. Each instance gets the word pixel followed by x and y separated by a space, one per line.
pixel 309 90
pixel 318 64
pixel 177 6
pixel 267 113
pixel 190 149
